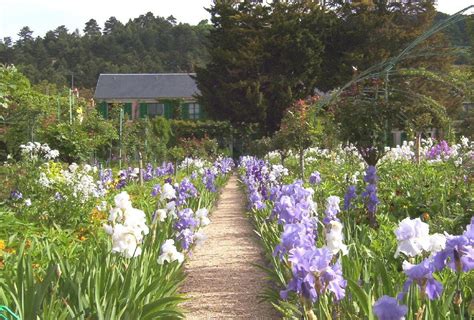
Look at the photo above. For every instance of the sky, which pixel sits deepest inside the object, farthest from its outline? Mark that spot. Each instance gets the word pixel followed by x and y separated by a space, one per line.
pixel 45 15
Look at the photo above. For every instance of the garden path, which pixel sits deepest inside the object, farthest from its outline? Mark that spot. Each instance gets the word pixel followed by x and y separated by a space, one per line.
pixel 222 282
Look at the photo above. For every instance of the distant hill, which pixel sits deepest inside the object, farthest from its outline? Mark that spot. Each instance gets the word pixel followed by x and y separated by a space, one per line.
pixel 147 44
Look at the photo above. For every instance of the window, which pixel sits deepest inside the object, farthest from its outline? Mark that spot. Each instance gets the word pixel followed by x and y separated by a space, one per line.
pixel 194 111
pixel 155 109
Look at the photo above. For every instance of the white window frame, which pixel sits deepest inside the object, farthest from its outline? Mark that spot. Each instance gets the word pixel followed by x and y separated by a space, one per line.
pixel 194 111
pixel 160 109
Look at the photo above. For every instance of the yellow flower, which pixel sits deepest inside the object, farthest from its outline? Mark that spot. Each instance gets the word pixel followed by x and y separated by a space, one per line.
pixel 2 244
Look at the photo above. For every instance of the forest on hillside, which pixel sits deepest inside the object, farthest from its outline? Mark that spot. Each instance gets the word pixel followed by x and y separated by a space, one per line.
pixel 145 44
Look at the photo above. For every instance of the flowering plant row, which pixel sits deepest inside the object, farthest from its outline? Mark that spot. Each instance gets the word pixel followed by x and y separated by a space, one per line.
pixel 346 263
pixel 103 232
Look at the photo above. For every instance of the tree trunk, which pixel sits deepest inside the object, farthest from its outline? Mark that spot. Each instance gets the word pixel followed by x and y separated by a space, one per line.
pixel 418 147
pixel 301 154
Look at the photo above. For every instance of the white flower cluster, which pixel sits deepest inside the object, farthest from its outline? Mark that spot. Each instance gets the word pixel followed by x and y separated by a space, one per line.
pixel 82 185
pixel 399 153
pixel 199 165
pixel 201 216
pixel 334 238
pixel 127 227
pixel 277 172
pixel 36 150
pixel 414 238
pixel 169 253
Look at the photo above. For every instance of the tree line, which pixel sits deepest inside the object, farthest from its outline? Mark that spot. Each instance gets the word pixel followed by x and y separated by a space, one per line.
pixel 146 44
pixel 265 55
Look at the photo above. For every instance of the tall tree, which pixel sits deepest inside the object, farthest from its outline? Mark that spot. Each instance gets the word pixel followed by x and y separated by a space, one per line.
pixel 263 57
pixel 92 28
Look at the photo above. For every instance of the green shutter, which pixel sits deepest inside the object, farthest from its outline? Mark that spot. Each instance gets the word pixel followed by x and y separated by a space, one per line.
pixel 202 113
pixel 168 110
pixel 185 111
pixel 127 110
pixel 403 137
pixel 391 139
pixel 143 110
pixel 103 109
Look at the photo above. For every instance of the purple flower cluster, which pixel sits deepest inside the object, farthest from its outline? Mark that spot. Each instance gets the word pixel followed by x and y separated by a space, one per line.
pixel 370 194
pixel 314 271
pixel 302 235
pixel 148 172
pixel 439 151
pixel 209 180
pixel 315 178
pixel 165 169
pixel 16 195
pixel 186 189
pixel 224 165
pixel 332 209
pixel 313 274
pixel 156 190
pixel 458 254
pixel 293 203
pixel 256 179
pixel 350 195
pixel 185 225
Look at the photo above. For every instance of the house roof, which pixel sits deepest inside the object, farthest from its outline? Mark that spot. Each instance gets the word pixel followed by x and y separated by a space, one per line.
pixel 145 86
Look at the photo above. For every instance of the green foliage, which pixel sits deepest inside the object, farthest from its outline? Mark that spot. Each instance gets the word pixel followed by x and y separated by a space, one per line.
pixel 243 82
pixel 118 48
pixel 79 141
pixel 366 123
pixel 222 131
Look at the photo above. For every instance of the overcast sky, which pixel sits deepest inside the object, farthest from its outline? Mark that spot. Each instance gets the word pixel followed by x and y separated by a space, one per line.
pixel 45 15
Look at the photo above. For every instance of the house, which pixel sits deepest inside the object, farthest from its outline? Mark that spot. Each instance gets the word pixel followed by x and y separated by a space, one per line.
pixel 171 95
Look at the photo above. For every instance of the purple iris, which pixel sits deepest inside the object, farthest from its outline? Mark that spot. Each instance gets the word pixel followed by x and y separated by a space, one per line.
pixel 186 220
pixel 442 149
pixel 209 180
pixel 422 275
pixel 224 165
pixel 186 190
pixel 459 252
pixel 371 175
pixel 16 195
pixel 155 190
pixel 370 193
pixel 256 201
pixel 186 237
pixel 294 203
pixel 106 176
pixel 166 168
pixel 148 172
pixel 387 308
pixel 332 209
pixel 349 196
pixel 295 235
pixel 313 274
pixel 315 178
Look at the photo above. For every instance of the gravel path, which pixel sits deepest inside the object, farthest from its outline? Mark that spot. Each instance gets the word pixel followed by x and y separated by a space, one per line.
pixel 221 281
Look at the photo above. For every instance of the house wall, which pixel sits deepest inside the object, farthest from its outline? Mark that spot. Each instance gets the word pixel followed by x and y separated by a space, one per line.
pixel 137 109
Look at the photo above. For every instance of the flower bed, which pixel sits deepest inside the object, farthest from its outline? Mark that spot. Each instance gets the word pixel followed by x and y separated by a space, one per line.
pixel 359 242
pixel 96 243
